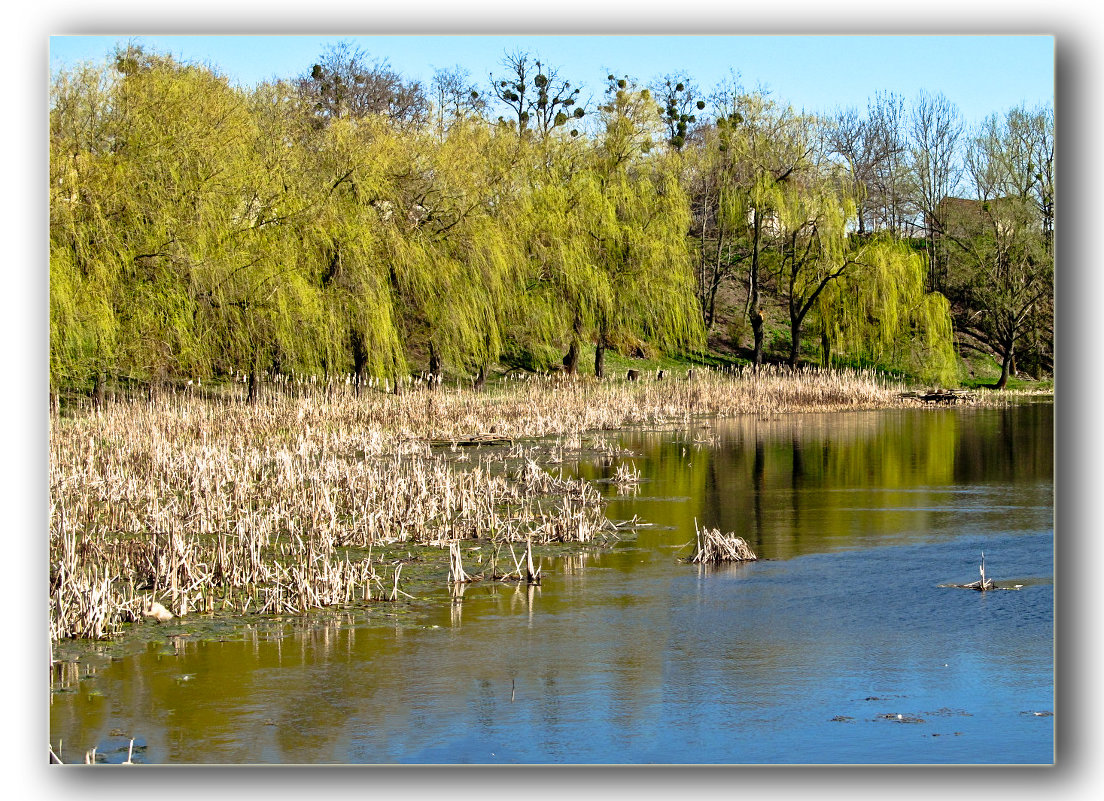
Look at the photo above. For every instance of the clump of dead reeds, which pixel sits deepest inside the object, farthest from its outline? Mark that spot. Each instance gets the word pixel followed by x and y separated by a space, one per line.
pixel 711 547
pixel 626 477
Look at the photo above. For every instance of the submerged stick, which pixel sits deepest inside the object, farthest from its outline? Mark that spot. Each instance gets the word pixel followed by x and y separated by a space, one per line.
pixel 981 585
pixel 532 576
pixel 456 567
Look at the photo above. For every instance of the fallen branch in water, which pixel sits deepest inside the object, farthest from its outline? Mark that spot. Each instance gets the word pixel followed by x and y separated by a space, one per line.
pixel 984 584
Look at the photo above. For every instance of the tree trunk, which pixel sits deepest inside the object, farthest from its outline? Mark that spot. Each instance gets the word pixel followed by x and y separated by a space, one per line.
pixel 480 379
pixel 825 350
pixel 795 342
pixel 358 377
pixel 600 358
pixel 434 367
pixel 571 360
pixel 931 261
pixel 1007 364
pixel 755 313
pixel 360 362
pixel 254 377
pixel 757 333
pixel 98 390
pixel 715 282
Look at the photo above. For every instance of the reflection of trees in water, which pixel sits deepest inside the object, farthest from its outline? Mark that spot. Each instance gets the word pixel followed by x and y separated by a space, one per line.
pixel 1013 444
pixel 790 483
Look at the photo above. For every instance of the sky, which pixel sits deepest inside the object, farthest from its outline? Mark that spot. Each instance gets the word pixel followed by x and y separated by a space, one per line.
pixel 980 74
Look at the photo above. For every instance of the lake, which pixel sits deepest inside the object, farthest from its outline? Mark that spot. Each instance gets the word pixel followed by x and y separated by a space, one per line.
pixel 839 646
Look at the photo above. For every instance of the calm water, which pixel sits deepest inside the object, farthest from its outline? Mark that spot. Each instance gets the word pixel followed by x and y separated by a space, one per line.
pixel 631 656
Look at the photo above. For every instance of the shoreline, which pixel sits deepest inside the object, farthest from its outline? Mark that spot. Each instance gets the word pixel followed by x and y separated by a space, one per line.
pixel 302 501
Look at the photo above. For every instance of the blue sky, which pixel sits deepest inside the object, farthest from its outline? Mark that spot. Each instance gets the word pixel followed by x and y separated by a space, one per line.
pixel 980 74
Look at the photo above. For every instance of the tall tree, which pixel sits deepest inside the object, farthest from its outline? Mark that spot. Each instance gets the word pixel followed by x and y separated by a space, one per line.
pixel 84 190
pixel 852 139
pixel 455 97
pixel 637 225
pixel 1004 268
pixel 872 146
pixel 935 130
pixel 347 83
pixel 811 218
pixel 890 186
pixel 679 105
pixel 536 95
pixel 769 147
pixel 880 312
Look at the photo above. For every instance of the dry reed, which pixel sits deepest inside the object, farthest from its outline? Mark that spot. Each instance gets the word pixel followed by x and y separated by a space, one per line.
pixel 198 501
pixel 712 547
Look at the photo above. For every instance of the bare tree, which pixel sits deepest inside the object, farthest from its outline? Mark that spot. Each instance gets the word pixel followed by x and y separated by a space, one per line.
pixel 854 140
pixel 1002 283
pixel 890 186
pixel 873 147
pixel 535 94
pixel 935 130
pixel 456 96
pixel 345 83
pixel 679 105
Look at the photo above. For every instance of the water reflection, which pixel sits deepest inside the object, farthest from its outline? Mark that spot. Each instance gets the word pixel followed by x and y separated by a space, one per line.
pixel 630 655
pixel 801 483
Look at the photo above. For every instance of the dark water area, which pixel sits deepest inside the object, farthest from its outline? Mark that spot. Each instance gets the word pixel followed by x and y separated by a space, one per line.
pixel 839 646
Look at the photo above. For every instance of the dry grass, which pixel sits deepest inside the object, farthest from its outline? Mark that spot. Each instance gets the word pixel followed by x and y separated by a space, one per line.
pixel 203 504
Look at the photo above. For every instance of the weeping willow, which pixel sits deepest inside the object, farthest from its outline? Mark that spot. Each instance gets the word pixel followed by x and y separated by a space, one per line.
pixel 200 229
pixel 644 289
pixel 881 313
pixel 559 289
pixel 608 240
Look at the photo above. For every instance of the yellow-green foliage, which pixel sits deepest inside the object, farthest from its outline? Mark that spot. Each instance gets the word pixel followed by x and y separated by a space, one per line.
pixel 197 229
pixel 881 312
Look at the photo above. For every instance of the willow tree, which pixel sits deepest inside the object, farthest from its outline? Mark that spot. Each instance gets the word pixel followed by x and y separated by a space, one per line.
pixel 720 205
pixel 148 208
pixel 881 312
pixel 810 219
pixel 755 147
pixel 214 217
pixel 636 217
pixel 84 183
pixel 455 269
pixel 559 286
pixel 354 212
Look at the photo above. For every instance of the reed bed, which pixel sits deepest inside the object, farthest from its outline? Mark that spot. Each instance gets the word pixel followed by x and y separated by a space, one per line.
pixel 202 502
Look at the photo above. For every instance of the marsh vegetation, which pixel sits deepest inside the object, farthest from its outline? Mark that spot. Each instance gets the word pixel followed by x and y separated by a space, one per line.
pixel 317 495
